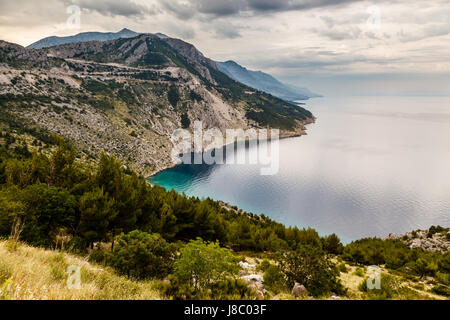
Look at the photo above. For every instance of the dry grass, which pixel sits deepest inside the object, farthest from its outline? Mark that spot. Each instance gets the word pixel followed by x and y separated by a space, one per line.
pixel 29 273
pixel 409 290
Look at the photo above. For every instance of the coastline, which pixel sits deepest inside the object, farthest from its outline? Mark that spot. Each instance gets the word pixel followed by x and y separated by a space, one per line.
pixel 301 131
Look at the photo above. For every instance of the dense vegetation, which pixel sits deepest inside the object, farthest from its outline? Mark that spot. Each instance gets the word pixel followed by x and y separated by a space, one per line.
pixel 395 255
pixel 146 232
pixel 311 266
pixel 94 204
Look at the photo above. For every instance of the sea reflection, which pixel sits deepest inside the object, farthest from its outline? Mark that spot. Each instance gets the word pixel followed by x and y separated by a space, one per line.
pixel 368 167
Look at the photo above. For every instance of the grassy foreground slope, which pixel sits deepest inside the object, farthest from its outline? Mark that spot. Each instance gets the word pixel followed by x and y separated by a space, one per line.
pixel 29 273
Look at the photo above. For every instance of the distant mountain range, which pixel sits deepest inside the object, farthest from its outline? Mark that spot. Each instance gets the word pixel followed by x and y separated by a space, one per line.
pixel 255 79
pixel 82 37
pixel 264 82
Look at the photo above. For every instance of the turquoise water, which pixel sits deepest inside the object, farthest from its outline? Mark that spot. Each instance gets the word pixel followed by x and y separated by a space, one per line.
pixel 368 167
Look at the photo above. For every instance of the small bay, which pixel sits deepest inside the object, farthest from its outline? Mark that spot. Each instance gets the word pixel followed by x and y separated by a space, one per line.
pixel 369 166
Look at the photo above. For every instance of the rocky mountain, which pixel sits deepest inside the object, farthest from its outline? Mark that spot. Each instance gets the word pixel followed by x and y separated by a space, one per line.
pixel 264 82
pixel 82 37
pixel 255 79
pixel 126 97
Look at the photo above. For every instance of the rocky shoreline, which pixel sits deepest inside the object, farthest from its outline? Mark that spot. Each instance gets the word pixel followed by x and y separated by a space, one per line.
pixel 299 132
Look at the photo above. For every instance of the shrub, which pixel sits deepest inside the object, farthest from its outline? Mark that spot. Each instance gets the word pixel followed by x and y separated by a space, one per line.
pixel 142 255
pixel 232 289
pixel 441 290
pixel 310 266
pixel 173 96
pixel 178 290
pixel 264 265
pixel 443 277
pixel 424 267
pixel 46 213
pixel 342 268
pixel 389 287
pixel 10 211
pixel 202 264
pixel 273 279
pixel 96 87
pixel 228 289
pixel 444 263
pixel 185 122
pixel 395 262
pixel 96 213
pixel 100 256
pixel 373 251
pixel 194 96
pixel 359 272
pixel 332 244
pixel 435 229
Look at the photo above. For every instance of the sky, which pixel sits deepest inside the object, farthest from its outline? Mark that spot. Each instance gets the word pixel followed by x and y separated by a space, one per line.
pixel 333 47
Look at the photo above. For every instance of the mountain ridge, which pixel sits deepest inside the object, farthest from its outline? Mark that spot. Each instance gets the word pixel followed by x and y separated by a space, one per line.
pixel 255 79
pixel 264 82
pixel 127 96
pixel 82 37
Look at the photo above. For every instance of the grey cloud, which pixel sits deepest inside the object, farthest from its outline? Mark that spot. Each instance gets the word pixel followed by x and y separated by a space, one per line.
pixel 372 35
pixel 220 8
pixel 183 11
pixel 236 7
pixel 267 5
pixel 183 31
pixel 287 5
pixel 28 13
pixel 227 31
pixel 328 21
pixel 338 34
pixel 434 30
pixel 327 53
pixel 316 60
pixel 126 8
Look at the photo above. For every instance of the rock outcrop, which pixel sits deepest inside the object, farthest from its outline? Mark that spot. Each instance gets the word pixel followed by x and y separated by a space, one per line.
pixel 434 239
pixel 256 282
pixel 299 290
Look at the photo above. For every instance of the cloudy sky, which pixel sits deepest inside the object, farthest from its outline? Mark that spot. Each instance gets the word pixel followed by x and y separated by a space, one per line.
pixel 329 46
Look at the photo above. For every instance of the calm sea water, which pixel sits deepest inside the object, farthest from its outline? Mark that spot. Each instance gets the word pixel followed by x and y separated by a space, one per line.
pixel 368 167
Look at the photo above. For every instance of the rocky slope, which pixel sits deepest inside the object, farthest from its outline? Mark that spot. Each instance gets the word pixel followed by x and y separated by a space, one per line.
pixel 127 96
pixel 255 79
pixel 434 239
pixel 264 82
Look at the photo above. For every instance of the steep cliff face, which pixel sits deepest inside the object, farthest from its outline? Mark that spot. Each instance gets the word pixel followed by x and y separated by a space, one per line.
pixel 127 96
